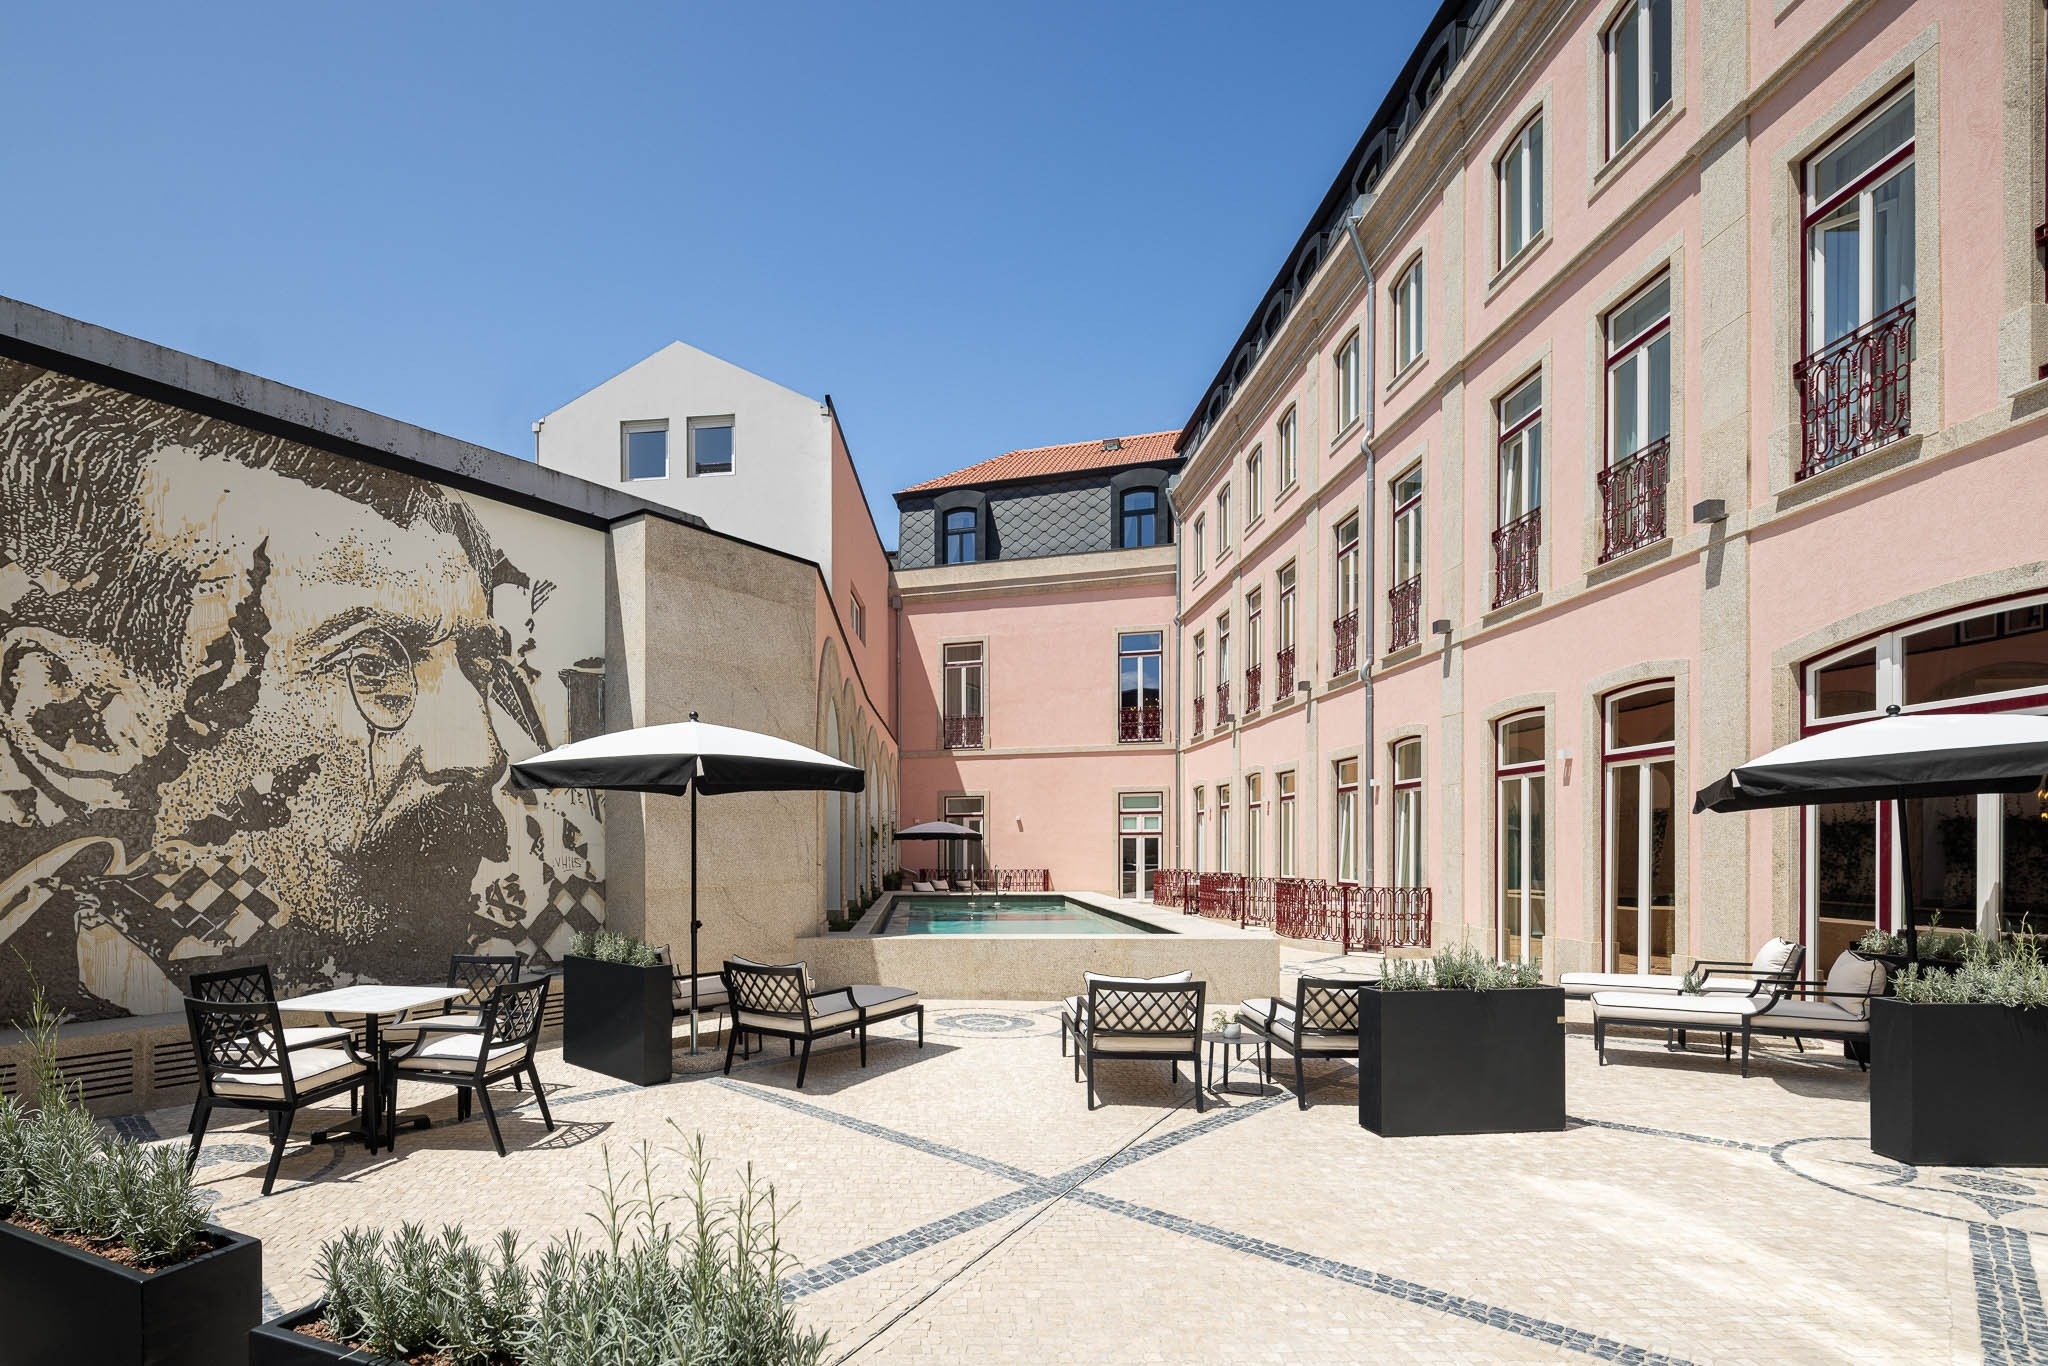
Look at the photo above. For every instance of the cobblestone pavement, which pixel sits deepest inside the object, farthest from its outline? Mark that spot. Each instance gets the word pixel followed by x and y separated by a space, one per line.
pixel 960 1203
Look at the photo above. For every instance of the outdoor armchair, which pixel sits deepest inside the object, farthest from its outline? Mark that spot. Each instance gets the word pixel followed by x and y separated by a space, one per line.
pixel 1320 1022
pixel 711 993
pixel 1075 1007
pixel 244 1062
pixel 1778 961
pixel 1128 1021
pixel 252 984
pixel 1835 1008
pixel 775 998
pixel 499 1046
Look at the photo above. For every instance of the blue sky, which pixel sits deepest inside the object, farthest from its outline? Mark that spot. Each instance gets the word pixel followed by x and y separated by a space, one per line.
pixel 978 227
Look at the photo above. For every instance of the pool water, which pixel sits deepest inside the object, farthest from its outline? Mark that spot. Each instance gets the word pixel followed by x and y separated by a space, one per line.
pixel 1008 914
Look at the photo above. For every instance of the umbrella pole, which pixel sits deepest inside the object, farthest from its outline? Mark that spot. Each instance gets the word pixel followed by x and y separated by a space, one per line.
pixel 694 922
pixel 1911 935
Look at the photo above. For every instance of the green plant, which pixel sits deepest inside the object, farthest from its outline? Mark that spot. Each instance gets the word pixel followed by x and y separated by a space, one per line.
pixel 1694 983
pixel 59 1169
pixel 607 947
pixel 1935 945
pixel 1458 968
pixel 1222 1019
pixel 2011 975
pixel 704 1287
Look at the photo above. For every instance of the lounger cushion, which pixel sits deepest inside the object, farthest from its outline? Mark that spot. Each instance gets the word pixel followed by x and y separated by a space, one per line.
pixel 1153 1045
pixel 1184 975
pixel 1586 983
pixel 453 1053
pixel 1678 1012
pixel 1811 1017
pixel 922 887
pixel 311 1068
pixel 1774 958
pixel 1276 1018
pixel 1850 973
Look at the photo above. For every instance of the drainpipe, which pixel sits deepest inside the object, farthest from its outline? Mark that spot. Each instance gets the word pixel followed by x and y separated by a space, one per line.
pixel 1179 849
pixel 1368 615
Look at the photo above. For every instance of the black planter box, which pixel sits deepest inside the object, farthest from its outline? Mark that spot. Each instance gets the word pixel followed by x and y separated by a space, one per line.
pixel 1958 1086
pixel 618 1019
pixel 275 1344
pixel 1460 1062
pixel 66 1305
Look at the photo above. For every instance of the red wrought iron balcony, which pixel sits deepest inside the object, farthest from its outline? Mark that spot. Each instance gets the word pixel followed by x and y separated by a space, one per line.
pixel 1856 393
pixel 1251 689
pixel 1514 558
pixel 1198 714
pixel 1345 632
pixel 961 732
pixel 1223 713
pixel 1632 499
pixel 1404 613
pixel 1135 725
pixel 1283 674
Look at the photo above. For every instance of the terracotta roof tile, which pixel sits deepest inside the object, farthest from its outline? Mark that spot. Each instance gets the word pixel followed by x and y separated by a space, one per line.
pixel 1042 461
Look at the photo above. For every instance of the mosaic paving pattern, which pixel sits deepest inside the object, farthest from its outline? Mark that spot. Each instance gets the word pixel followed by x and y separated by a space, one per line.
pixel 960 1203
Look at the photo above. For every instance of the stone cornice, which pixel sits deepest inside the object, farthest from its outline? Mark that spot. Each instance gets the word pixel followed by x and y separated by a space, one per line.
pixel 1153 566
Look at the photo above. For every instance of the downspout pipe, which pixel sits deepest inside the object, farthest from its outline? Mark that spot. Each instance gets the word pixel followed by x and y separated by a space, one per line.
pixel 1183 856
pixel 1368 615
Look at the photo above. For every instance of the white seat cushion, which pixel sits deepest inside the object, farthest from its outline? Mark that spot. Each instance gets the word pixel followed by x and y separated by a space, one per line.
pixel 1817 1017
pixel 1185 975
pixel 311 1068
pixel 1678 1012
pixel 1582 984
pixel 710 991
pixel 1180 1045
pixel 1074 1006
pixel 1261 1010
pixel 922 887
pixel 302 1036
pixel 454 1052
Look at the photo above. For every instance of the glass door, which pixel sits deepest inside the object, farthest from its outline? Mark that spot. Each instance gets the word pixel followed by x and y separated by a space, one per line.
pixel 1641 861
pixel 1519 801
pixel 1139 824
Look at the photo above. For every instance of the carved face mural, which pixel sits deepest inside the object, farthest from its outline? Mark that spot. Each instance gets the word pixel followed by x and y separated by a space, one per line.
pixel 256 702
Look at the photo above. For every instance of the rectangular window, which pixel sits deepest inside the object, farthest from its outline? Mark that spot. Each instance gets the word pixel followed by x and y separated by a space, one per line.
pixel 1201 535
pixel 1222 827
pixel 1640 807
pixel 1138 661
pixel 1408 813
pixel 1520 175
pixel 961 695
pixel 1408 317
pixel 1638 48
pixel 1519 822
pixel 959 529
pixel 1347 382
pixel 1223 668
pixel 1285 783
pixel 1860 282
pixel 1285 446
pixel 1639 372
pixel 1254 652
pixel 710 445
pixel 961 856
pixel 646 449
pixel 1254 814
pixel 1344 657
pixel 1284 627
pixel 1201 832
pixel 858 610
pixel 1518 533
pixel 1254 485
pixel 1139 517
pixel 1195 678
pixel 1404 598
pixel 1222 521
pixel 1347 820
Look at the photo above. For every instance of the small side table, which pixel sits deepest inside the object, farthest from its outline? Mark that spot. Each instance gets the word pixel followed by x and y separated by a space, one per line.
pixel 1230 1051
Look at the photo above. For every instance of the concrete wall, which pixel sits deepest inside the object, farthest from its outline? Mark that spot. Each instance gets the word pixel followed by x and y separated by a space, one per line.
pixel 780 493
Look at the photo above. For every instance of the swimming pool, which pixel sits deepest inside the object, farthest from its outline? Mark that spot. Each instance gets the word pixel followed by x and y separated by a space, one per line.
pixel 1007 915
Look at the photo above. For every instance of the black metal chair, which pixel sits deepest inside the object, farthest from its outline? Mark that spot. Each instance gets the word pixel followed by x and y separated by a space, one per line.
pixel 231 986
pixel 244 1063
pixel 1321 1022
pixel 472 1056
pixel 773 999
pixel 480 974
pixel 711 993
pixel 1141 1021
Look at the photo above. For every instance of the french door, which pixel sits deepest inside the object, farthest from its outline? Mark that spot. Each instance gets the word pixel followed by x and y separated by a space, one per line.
pixel 1518 861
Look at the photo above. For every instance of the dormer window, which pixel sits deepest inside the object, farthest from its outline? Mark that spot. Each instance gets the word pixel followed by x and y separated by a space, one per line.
pixel 958 543
pixel 1138 518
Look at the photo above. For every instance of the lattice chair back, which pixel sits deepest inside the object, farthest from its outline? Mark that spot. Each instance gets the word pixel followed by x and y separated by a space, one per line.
pixel 514 1013
pixel 482 975
pixel 238 1038
pixel 765 989
pixel 1152 1009
pixel 1326 1005
pixel 233 986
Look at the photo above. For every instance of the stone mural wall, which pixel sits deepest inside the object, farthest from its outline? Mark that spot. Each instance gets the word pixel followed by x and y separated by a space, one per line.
pixel 257 701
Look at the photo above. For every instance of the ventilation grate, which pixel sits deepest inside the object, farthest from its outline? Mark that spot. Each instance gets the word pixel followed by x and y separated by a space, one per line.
pixel 10 1079
pixel 102 1075
pixel 172 1064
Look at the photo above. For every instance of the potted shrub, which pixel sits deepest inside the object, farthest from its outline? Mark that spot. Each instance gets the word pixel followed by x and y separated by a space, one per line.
pixel 652 1288
pixel 618 1012
pixel 1462 1045
pixel 1959 1062
pixel 105 1254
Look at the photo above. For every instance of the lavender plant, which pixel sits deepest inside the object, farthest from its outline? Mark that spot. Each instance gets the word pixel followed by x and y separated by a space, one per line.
pixel 607 947
pixel 1458 968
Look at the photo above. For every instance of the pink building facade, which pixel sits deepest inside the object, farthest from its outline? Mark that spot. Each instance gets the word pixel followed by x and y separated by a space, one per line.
pixel 1660 381
pixel 1036 621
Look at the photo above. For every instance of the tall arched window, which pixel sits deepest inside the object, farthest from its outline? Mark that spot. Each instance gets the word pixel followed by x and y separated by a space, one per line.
pixel 958 546
pixel 1138 512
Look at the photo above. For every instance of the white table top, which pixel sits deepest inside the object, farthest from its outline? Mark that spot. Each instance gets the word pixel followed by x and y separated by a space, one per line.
pixel 371 999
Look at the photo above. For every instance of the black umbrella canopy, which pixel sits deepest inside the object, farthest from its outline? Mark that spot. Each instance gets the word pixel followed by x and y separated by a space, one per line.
pixel 687 756
pixel 938 830
pixel 1891 758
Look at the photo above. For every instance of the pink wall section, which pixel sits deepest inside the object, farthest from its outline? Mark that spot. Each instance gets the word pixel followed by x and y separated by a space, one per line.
pixel 1053 767
pixel 859 565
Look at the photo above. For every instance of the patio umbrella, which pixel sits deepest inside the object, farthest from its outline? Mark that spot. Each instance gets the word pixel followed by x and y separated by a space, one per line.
pixel 1894 758
pixel 689 756
pixel 939 830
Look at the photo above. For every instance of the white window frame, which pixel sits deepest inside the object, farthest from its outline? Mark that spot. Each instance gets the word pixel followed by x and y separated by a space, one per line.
pixel 1408 317
pixel 1345 808
pixel 1347 377
pixel 1635 347
pixel 1347 565
pixel 1223 521
pixel 1523 440
pixel 1518 181
pixel 1645 44
pixel 1407 814
pixel 698 424
pixel 1287 445
pixel 1284 784
pixel 1863 192
pixel 1254 485
pixel 1406 543
pixel 627 431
